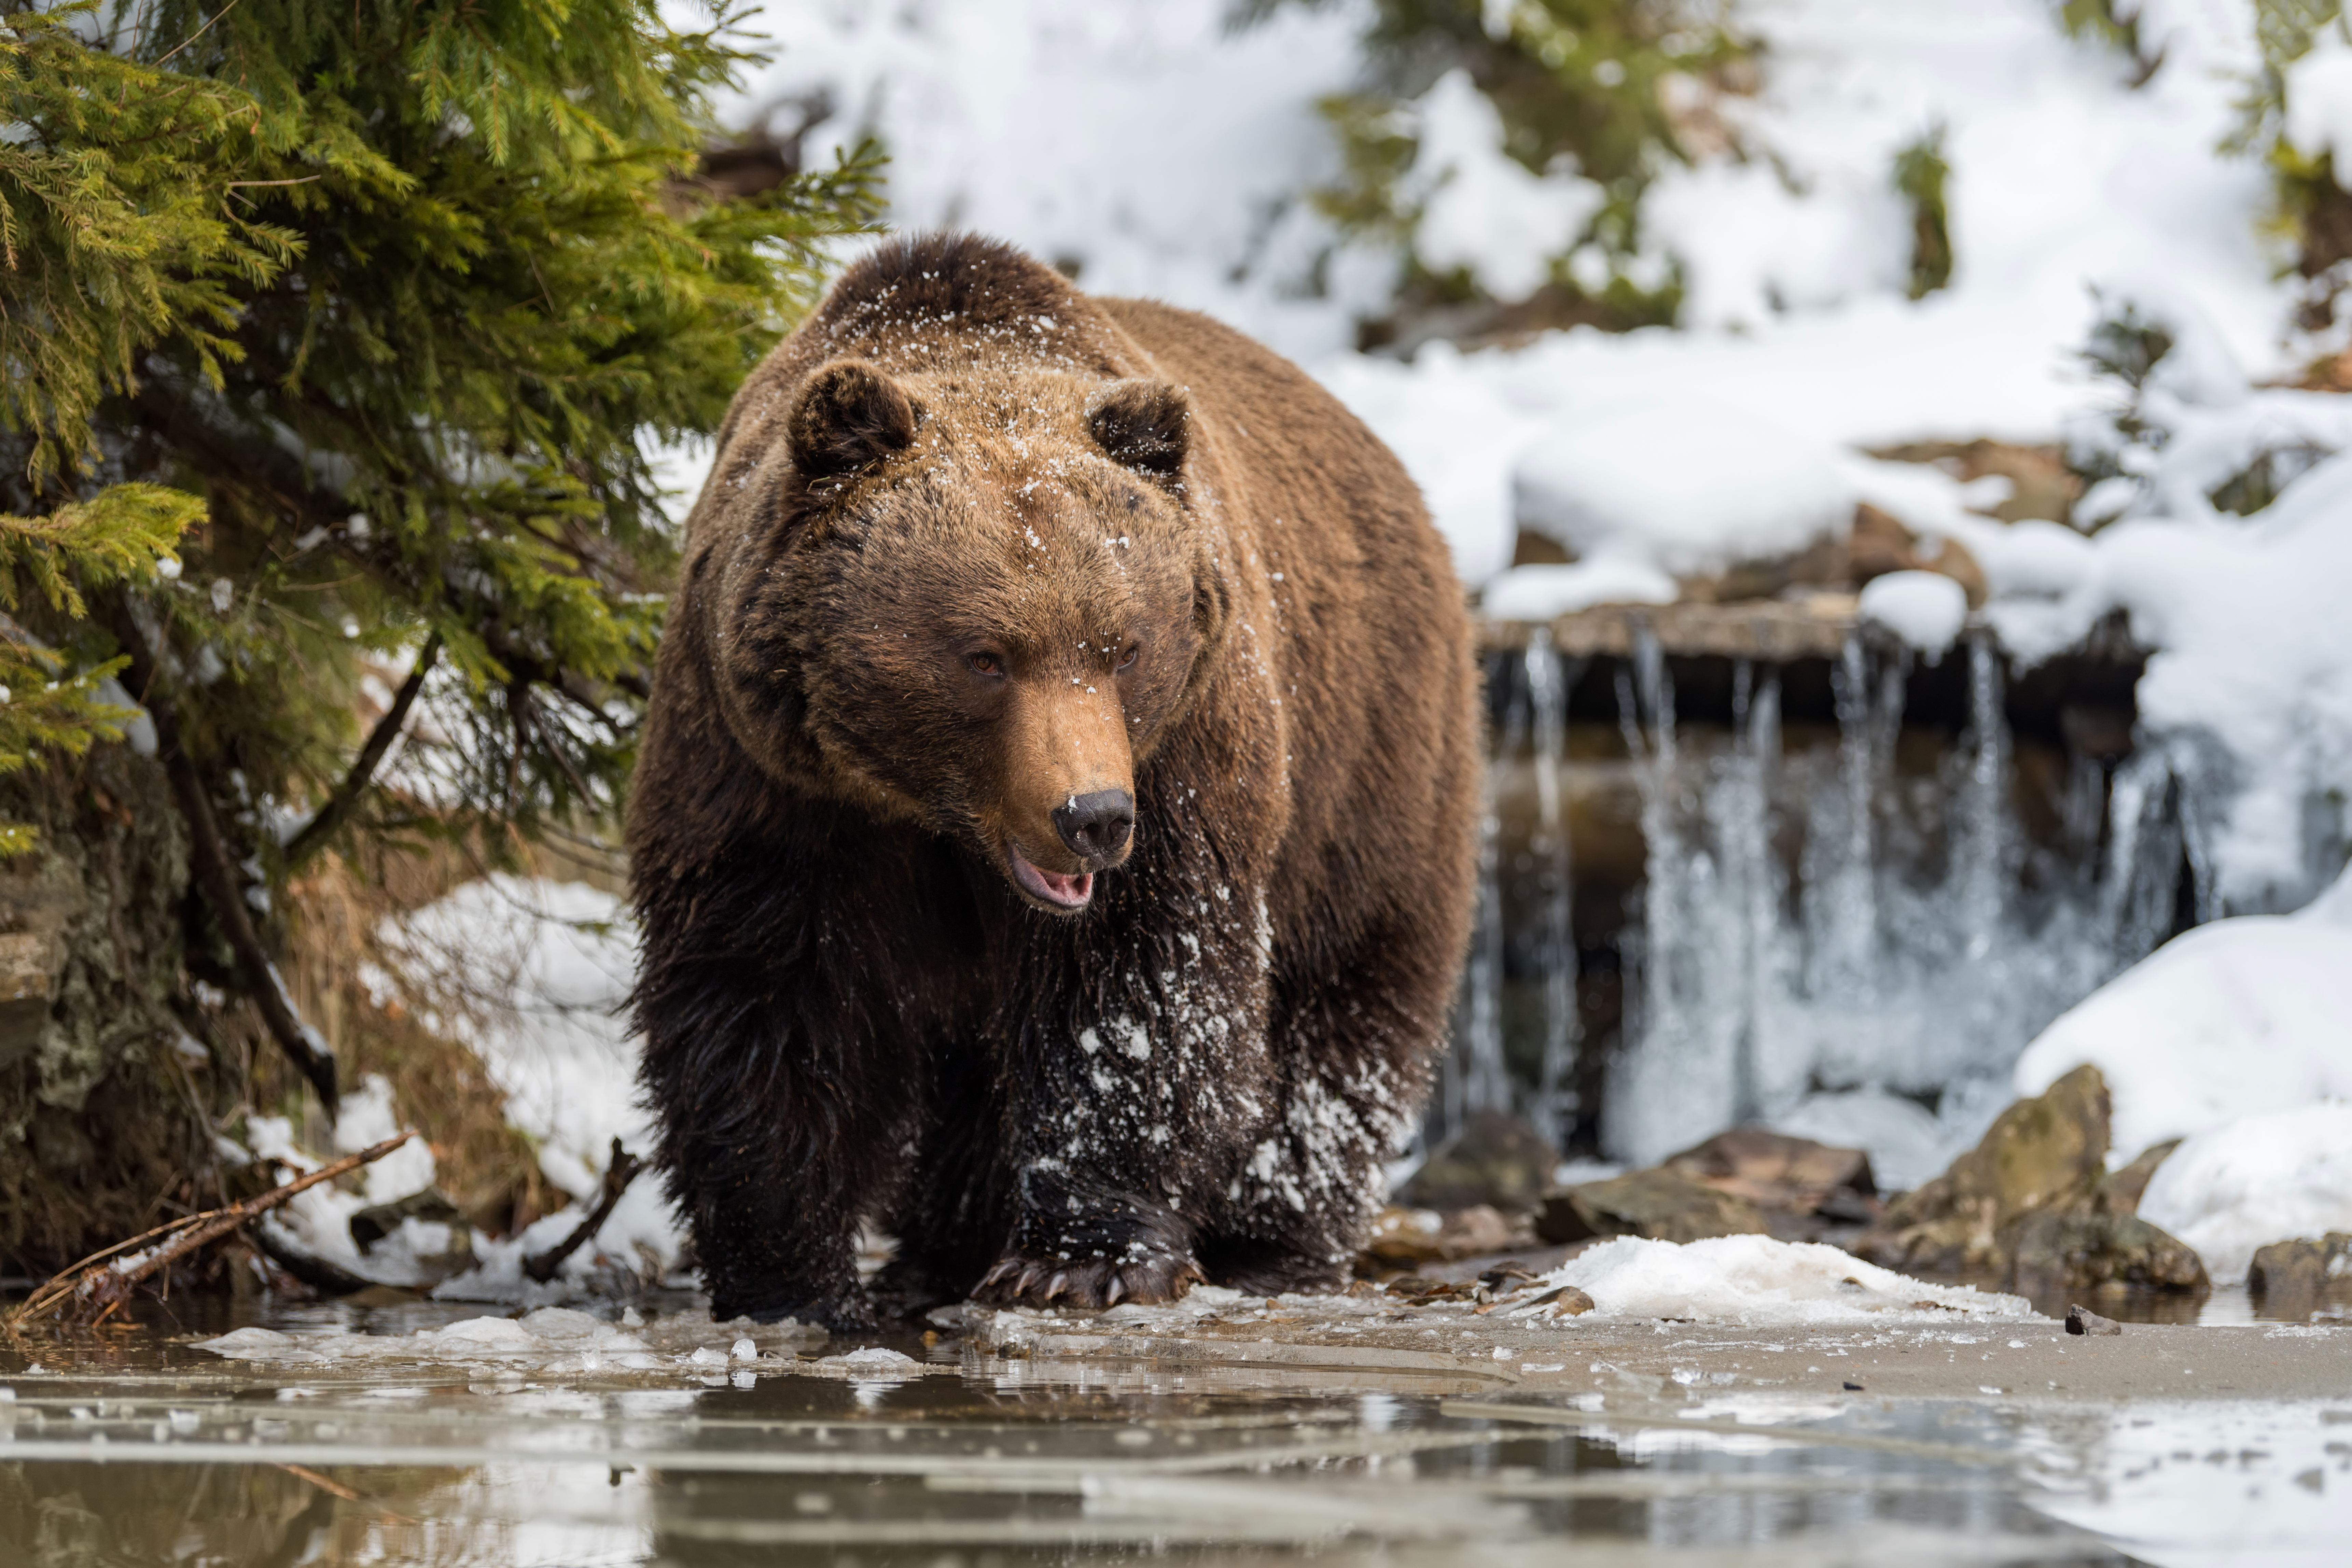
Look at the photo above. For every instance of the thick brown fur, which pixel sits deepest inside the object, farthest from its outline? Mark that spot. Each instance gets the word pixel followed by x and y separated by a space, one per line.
pixel 979 555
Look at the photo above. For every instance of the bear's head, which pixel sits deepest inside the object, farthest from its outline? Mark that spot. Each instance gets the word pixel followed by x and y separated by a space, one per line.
pixel 982 599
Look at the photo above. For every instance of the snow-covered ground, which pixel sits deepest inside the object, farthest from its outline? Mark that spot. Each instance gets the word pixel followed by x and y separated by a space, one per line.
pixel 532 975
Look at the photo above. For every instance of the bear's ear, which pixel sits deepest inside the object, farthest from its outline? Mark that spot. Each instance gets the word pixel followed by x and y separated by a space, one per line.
pixel 849 414
pixel 1143 424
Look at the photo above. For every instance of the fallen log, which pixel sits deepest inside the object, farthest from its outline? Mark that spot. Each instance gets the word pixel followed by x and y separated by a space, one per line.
pixel 103 1282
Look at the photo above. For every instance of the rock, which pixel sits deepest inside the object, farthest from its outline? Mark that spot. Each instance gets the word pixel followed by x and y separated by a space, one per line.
pixel 2041 484
pixel 2295 1279
pixel 1821 564
pixel 1496 1159
pixel 27 978
pixel 1562 1301
pixel 2038 1152
pixel 1799 1184
pixel 2081 1319
pixel 2079 1246
pixel 1660 1204
pixel 2303 1265
pixel 2034 1206
pixel 2119 1191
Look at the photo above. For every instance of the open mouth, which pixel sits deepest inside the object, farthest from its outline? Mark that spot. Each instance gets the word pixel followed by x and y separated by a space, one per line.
pixel 1054 889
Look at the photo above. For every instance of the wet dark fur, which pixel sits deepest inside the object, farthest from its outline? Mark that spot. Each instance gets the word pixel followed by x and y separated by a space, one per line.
pixel 849 1013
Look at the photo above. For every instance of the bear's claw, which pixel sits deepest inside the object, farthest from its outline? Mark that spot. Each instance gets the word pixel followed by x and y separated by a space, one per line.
pixel 1091 1283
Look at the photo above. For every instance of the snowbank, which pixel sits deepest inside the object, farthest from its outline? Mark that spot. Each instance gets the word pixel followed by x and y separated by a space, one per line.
pixel 2254 1181
pixel 537 974
pixel 1759 1282
pixel 319 1219
pixel 2241 1018
pixel 1680 485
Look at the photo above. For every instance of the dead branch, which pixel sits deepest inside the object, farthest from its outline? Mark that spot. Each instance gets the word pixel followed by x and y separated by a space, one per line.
pixel 619 1172
pixel 99 1282
pixel 327 1279
pixel 321 826
pixel 218 871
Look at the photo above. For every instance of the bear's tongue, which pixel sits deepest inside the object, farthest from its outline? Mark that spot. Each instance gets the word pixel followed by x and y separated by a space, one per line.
pixel 1071 892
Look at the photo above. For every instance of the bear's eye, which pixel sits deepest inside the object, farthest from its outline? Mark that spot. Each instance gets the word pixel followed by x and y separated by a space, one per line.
pixel 1130 656
pixel 985 664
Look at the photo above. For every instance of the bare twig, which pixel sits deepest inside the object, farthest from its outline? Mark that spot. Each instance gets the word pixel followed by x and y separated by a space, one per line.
pixel 619 1172
pixel 306 1046
pixel 321 827
pixel 199 33
pixel 99 1283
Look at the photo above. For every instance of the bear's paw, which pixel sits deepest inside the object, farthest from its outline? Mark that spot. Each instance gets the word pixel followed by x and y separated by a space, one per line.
pixel 1150 1277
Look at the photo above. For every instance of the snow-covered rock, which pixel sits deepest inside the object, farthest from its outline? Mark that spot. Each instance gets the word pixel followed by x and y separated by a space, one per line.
pixel 2236 1037
pixel 2254 1181
pixel 1541 593
pixel 1925 608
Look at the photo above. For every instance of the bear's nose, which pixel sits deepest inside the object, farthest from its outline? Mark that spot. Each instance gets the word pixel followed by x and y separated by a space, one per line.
pixel 1095 826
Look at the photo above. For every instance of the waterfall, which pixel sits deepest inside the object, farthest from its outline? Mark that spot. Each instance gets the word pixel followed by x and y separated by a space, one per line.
pixel 1882 997
pixel 1835 925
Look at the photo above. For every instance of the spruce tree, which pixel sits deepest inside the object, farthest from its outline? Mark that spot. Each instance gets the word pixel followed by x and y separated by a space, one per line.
pixel 338 333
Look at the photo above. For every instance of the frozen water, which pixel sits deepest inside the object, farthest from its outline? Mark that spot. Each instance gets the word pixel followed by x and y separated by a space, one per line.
pixel 553 1342
pixel 1902 966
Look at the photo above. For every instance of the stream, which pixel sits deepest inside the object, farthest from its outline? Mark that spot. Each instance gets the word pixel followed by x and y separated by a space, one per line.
pixel 131 1447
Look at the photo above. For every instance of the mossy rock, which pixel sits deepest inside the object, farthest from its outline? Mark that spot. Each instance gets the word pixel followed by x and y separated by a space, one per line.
pixel 2082 1246
pixel 2294 1277
pixel 2039 1153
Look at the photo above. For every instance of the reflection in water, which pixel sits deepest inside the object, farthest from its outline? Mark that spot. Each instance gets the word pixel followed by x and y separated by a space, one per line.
pixel 140 1452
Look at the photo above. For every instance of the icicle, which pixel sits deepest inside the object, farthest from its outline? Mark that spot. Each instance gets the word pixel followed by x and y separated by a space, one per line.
pixel 1982 851
pixel 1483 1081
pixel 1549 679
pixel 1751 881
pixel 1842 893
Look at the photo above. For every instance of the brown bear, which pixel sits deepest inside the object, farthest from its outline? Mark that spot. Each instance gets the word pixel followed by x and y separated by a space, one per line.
pixel 1053 840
